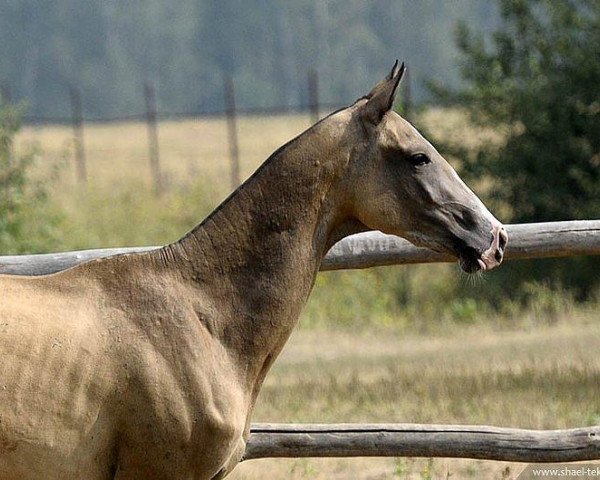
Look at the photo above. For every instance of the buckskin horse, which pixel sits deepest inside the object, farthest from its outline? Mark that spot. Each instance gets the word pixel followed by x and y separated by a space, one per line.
pixel 147 366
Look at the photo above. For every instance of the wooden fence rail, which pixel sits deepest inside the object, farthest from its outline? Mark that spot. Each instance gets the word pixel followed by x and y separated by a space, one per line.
pixel 531 240
pixel 417 440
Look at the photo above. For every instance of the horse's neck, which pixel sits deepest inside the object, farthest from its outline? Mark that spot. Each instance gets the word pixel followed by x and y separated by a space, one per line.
pixel 256 257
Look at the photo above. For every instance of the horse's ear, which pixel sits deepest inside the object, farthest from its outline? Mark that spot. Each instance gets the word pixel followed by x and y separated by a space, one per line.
pixel 381 98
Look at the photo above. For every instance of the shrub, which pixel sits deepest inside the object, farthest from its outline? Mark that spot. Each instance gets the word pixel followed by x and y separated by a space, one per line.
pixel 28 223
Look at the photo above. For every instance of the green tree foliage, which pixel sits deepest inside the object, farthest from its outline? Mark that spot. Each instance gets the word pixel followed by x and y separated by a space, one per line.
pixel 537 82
pixel 28 224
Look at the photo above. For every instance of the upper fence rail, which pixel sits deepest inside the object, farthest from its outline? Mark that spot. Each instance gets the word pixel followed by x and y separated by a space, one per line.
pixel 370 249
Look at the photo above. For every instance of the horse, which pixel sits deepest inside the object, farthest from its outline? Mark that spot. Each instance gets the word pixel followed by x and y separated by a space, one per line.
pixel 148 365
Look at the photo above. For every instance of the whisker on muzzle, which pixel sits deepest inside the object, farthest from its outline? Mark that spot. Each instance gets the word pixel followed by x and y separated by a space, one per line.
pixel 472 279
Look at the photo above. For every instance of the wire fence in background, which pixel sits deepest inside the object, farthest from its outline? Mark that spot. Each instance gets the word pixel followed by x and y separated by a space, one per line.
pixel 152 116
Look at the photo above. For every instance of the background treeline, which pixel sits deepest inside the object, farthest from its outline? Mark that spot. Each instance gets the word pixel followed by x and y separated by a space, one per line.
pixel 109 49
pixel 534 82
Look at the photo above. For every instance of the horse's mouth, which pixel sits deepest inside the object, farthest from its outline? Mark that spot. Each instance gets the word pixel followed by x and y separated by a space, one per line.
pixel 471 261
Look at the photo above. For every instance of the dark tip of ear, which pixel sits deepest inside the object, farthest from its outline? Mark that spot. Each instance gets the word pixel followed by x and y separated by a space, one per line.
pixel 402 69
pixel 397 71
pixel 381 97
pixel 394 71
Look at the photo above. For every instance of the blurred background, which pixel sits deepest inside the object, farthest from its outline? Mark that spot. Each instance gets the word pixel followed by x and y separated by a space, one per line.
pixel 108 49
pixel 125 123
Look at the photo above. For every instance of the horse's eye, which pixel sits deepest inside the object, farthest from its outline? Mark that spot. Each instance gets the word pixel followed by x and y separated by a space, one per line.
pixel 419 159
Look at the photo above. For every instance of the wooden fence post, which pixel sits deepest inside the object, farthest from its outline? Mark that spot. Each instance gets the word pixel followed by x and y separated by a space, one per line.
pixel 77 122
pixel 231 114
pixel 6 99
pixel 313 95
pixel 153 151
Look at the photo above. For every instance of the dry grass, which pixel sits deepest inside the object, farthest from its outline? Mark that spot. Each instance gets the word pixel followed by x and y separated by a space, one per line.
pixel 118 152
pixel 543 378
pixel 452 125
pixel 117 207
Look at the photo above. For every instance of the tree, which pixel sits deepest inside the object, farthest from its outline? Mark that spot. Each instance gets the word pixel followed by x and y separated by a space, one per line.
pixel 536 80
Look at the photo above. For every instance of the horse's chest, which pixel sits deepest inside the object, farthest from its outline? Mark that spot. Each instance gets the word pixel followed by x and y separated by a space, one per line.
pixel 186 410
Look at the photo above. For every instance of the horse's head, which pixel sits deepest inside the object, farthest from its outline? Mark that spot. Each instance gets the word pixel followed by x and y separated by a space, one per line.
pixel 401 185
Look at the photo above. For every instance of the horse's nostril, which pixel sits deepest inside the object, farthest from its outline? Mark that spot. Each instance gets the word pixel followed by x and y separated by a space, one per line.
pixel 498 256
pixel 502 241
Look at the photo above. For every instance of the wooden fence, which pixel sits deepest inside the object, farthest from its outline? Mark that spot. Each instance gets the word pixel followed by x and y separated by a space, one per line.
pixel 152 115
pixel 536 240
pixel 370 249
pixel 415 440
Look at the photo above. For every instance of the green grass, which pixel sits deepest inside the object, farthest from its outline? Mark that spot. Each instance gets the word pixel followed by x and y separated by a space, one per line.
pixel 132 215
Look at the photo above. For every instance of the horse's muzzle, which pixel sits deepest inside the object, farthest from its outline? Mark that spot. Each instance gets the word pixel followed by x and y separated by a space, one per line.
pixel 493 256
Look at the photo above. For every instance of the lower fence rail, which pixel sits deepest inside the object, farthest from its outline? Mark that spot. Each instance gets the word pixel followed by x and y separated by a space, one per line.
pixel 418 440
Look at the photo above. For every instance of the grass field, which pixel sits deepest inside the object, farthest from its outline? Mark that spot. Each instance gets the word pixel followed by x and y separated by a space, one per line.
pixel 117 153
pixel 395 344
pixel 542 378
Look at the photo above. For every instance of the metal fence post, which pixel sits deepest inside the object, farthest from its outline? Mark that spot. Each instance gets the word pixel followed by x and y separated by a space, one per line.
pixel 153 149
pixel 77 122
pixel 231 114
